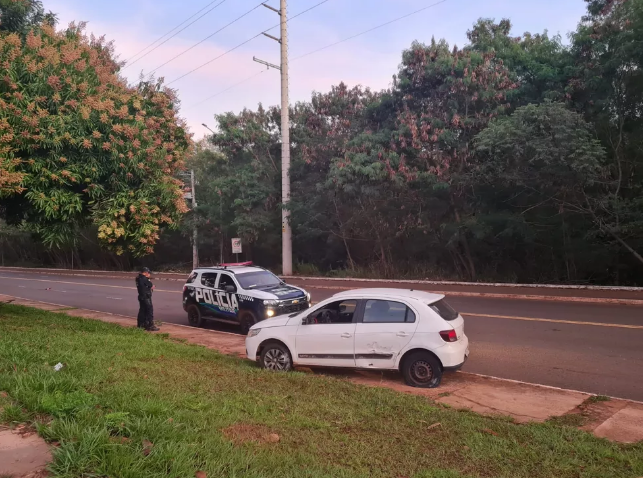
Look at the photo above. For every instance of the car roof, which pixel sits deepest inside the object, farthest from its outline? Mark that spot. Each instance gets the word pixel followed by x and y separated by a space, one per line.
pixel 233 269
pixel 392 293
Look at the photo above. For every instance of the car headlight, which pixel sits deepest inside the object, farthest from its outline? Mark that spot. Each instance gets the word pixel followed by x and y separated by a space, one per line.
pixel 254 332
pixel 270 313
pixel 308 296
pixel 270 302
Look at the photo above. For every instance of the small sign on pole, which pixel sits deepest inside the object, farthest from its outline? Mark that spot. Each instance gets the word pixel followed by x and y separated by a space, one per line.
pixel 236 247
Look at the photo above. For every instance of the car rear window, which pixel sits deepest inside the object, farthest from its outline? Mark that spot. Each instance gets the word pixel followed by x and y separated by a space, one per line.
pixel 191 278
pixel 444 310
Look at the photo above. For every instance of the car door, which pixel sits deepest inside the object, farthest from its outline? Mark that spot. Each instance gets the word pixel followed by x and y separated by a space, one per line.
pixel 227 302
pixel 385 328
pixel 205 294
pixel 326 336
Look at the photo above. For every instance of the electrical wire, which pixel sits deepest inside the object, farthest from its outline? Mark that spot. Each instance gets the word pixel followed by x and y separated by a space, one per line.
pixel 244 43
pixel 169 38
pixel 369 30
pixel 327 46
pixel 208 37
pixel 226 90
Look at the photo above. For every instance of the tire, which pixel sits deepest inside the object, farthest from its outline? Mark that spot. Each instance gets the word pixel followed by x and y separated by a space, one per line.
pixel 246 320
pixel 275 356
pixel 195 319
pixel 421 370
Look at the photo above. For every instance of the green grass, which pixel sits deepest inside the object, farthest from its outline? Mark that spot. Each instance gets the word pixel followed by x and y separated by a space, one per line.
pixel 132 405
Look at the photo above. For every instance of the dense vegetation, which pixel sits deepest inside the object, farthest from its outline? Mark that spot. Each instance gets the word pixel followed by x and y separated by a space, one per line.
pixel 78 146
pixel 514 158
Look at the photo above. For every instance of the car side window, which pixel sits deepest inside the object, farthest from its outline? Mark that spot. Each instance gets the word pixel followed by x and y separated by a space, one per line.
pixel 387 312
pixel 340 312
pixel 192 277
pixel 225 280
pixel 208 279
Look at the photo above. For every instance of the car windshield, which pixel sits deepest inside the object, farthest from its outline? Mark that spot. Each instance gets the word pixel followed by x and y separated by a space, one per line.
pixel 258 280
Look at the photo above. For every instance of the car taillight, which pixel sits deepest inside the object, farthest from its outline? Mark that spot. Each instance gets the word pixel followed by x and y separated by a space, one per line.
pixel 449 335
pixel 184 288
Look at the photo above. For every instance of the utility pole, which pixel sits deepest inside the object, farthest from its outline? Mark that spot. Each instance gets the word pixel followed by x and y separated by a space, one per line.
pixel 195 233
pixel 286 233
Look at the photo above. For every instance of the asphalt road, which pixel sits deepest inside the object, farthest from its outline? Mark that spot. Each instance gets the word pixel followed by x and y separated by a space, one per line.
pixel 589 347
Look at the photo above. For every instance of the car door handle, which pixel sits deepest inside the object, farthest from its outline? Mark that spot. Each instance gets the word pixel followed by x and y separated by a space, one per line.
pixel 402 334
pixel 346 336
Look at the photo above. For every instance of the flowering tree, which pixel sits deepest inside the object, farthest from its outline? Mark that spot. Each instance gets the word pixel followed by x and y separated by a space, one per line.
pixel 77 145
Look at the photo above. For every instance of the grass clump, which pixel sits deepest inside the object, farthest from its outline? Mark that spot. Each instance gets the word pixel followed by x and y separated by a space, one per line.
pixel 134 405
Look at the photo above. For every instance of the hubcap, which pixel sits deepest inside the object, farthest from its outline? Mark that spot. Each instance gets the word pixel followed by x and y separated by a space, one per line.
pixel 421 371
pixel 276 359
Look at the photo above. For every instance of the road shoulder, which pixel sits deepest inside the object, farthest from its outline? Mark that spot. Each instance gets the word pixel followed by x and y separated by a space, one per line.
pixel 610 418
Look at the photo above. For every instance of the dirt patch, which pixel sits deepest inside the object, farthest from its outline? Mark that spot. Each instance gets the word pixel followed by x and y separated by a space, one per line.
pixel 242 433
pixel 23 454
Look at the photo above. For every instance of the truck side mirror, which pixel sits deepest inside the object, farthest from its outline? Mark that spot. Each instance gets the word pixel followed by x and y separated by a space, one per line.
pixel 230 289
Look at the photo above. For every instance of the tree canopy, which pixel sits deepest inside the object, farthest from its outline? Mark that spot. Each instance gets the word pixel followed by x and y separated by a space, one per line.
pixel 79 146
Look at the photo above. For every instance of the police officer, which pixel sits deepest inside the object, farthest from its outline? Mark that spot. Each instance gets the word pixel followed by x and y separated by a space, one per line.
pixel 145 287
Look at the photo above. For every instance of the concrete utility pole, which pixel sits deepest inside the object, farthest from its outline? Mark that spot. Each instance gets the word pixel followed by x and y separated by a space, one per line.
pixel 286 233
pixel 195 245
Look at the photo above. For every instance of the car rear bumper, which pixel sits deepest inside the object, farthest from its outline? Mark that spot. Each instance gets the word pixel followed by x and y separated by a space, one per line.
pixel 454 355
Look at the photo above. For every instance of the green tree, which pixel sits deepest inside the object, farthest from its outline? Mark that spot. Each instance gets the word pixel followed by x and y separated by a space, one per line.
pixel 20 16
pixel 78 146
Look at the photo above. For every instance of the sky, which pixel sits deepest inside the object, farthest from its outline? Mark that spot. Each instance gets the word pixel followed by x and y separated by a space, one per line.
pixel 370 60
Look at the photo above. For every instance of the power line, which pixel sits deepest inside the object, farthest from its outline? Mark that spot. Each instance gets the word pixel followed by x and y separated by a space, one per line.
pixel 208 37
pixel 170 37
pixel 244 43
pixel 167 33
pixel 226 90
pixel 369 30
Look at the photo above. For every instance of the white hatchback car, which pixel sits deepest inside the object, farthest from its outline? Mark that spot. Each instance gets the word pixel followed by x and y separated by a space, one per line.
pixel 415 332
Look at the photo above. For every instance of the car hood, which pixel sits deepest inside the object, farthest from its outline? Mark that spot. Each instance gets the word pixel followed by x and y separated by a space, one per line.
pixel 280 292
pixel 278 321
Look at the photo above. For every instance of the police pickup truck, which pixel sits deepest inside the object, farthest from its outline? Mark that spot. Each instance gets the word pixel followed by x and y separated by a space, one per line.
pixel 239 294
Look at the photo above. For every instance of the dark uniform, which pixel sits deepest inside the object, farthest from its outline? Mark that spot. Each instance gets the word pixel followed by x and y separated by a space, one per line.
pixel 145 318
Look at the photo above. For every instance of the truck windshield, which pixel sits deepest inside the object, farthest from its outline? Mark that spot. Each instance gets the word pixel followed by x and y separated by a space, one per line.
pixel 258 280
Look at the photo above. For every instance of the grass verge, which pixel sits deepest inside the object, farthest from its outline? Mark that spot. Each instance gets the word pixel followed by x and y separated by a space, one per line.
pixel 133 405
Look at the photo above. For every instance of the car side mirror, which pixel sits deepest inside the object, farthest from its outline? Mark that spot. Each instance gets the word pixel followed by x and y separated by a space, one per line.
pixel 230 289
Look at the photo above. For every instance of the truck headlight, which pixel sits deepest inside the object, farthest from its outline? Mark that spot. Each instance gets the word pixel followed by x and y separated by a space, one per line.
pixel 270 302
pixel 270 313
pixel 308 296
pixel 254 332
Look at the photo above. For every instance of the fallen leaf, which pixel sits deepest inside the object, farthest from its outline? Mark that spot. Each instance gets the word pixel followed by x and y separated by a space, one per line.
pixel 147 447
pixel 200 474
pixel 435 425
pixel 4 394
pixel 489 431
pixel 466 448
pixel 273 438
pixel 170 420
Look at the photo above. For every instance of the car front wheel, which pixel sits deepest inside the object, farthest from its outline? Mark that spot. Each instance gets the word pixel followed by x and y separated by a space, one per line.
pixel 422 370
pixel 275 356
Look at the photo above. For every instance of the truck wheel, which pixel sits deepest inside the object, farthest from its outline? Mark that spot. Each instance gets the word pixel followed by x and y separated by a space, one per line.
pixel 246 320
pixel 195 319
pixel 421 369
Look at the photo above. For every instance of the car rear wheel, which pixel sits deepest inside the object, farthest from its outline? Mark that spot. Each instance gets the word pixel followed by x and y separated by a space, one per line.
pixel 195 319
pixel 422 370
pixel 246 320
pixel 275 356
